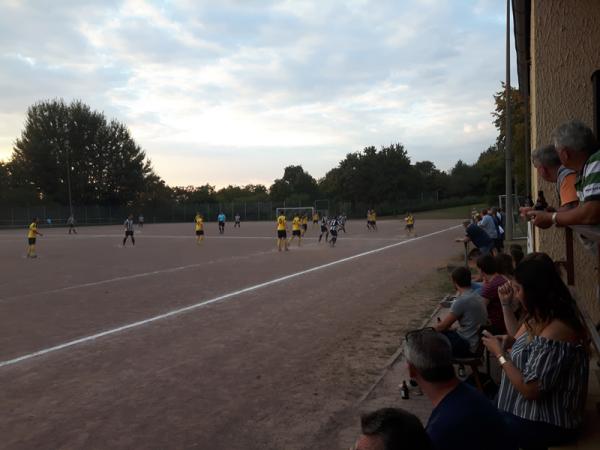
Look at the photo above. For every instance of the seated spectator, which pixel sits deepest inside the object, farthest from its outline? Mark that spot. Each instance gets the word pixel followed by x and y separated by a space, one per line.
pixel 391 429
pixel 505 265
pixel 478 236
pixel 545 376
pixel 489 225
pixel 492 280
pixel 516 251
pixel 497 217
pixel 476 280
pixel 470 313
pixel 578 150
pixel 462 418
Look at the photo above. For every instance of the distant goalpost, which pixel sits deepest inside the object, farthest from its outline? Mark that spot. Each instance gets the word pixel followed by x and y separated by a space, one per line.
pixel 308 210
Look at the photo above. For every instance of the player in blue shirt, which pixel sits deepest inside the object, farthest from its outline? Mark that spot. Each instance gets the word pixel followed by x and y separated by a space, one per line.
pixel 221 219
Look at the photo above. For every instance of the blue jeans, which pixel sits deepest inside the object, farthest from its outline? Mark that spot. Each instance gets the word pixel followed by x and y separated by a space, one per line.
pixel 532 435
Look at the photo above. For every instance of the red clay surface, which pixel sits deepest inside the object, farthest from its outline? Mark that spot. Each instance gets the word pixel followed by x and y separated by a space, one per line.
pixel 259 370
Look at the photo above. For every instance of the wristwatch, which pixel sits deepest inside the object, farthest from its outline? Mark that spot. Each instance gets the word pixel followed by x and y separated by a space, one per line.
pixel 554 218
pixel 502 360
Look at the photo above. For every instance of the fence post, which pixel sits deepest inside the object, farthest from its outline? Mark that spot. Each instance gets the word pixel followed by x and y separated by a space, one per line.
pixel 12 217
pixel 258 211
pixel 245 210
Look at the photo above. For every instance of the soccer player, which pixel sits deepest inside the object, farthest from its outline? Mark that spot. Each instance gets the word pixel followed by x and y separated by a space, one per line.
pixel 199 225
pixel 141 220
pixel 128 224
pixel 324 229
pixel 221 219
pixel 410 223
pixel 237 220
pixel 369 217
pixel 282 233
pixel 296 230
pixel 31 237
pixel 71 223
pixel 342 222
pixel 373 220
pixel 304 224
pixel 333 229
pixel 315 218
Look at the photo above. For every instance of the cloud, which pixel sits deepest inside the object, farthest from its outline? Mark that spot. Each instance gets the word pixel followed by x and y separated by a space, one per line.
pixel 242 88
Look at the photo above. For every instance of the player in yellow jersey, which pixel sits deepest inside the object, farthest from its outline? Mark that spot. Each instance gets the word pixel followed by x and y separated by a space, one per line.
pixel 373 219
pixel 282 233
pixel 410 223
pixel 296 232
pixel 315 218
pixel 304 224
pixel 199 228
pixel 31 236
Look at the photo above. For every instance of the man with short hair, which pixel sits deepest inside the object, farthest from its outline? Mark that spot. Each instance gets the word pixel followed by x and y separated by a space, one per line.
pixel 462 418
pixel 469 311
pixel 392 429
pixel 488 225
pixel 478 236
pixel 547 163
pixel 578 150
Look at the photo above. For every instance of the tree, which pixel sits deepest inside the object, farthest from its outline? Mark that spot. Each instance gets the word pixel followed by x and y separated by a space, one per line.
pixel 296 185
pixel 60 141
pixel 518 131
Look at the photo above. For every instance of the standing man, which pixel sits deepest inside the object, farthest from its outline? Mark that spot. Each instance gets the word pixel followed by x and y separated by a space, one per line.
pixel 221 219
pixel 282 232
pixel 141 220
pixel 488 225
pixel 237 221
pixel 304 224
pixel 199 225
pixel 333 230
pixel 324 229
pixel 410 223
pixel 71 223
pixel 31 237
pixel 315 218
pixel 296 229
pixel 128 229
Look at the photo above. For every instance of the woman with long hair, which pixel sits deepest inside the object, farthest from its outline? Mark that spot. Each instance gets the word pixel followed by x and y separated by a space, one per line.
pixel 545 375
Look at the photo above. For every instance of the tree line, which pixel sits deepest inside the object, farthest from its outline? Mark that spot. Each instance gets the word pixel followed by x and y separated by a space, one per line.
pixel 71 148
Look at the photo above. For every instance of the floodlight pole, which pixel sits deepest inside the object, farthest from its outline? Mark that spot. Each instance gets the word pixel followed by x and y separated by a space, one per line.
pixel 69 182
pixel 507 135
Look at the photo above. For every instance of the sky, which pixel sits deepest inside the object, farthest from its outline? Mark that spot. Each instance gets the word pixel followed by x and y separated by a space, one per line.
pixel 233 91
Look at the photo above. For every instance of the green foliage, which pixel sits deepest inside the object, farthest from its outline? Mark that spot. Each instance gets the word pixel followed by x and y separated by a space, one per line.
pixel 104 163
pixel 296 186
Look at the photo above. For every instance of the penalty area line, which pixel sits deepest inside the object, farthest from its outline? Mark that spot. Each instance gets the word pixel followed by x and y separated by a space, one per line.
pixel 201 304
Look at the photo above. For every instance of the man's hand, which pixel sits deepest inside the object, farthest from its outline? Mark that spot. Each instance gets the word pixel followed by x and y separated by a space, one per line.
pixel 541 219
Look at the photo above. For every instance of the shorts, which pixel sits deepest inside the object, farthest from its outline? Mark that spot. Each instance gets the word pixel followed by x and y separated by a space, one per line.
pixel 333 233
pixel 323 229
pixel 296 233
pixel 199 232
pixel 315 222
pixel 281 234
pixel 221 224
pixel 129 233
pixel 31 241
pixel 304 226
pixel 409 226
pixel 371 222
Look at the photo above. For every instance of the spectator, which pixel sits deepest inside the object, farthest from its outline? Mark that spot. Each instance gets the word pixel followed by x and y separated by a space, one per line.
pixel 470 312
pixel 489 225
pixel 476 280
pixel 505 265
pixel 478 236
pixel 462 418
pixel 547 163
pixel 391 429
pixel 492 280
pixel 578 150
pixel 497 217
pixel 516 251
pixel 545 376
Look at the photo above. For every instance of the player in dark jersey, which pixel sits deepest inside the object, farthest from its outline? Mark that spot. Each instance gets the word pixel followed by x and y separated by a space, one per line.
pixel 324 229
pixel 333 230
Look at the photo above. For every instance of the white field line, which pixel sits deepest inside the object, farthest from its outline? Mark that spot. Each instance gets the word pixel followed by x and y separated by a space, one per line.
pixel 220 298
pixel 188 237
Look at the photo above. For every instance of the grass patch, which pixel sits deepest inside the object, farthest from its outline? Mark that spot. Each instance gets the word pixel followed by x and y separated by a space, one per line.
pixel 456 212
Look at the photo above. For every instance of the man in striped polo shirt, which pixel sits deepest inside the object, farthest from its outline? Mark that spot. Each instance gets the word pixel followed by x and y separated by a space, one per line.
pixel 578 150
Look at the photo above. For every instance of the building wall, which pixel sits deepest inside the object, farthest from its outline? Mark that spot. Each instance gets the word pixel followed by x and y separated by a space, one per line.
pixel 565 51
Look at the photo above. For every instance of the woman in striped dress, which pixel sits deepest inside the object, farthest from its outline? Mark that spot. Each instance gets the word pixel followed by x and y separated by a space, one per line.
pixel 545 374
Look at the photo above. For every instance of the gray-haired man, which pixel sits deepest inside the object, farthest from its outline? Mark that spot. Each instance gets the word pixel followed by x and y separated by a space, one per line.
pixel 578 150
pixel 462 417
